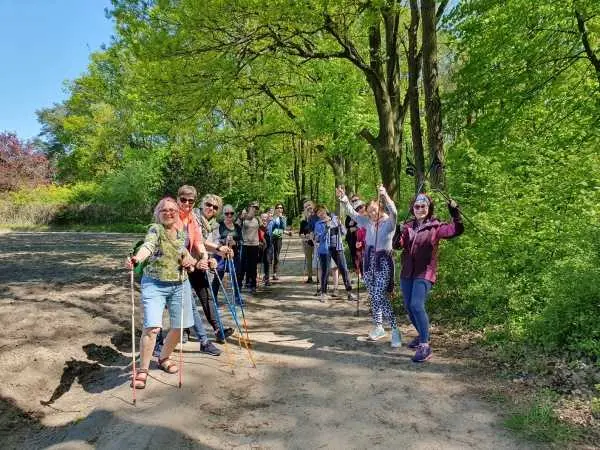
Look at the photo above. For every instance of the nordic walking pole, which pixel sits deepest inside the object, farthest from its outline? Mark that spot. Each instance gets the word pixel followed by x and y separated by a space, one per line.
pixel 235 319
pixel 133 332
pixel 242 308
pixel 181 329
pixel 358 294
pixel 286 251
pixel 212 295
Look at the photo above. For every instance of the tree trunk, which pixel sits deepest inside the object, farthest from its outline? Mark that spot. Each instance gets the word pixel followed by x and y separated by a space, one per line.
pixel 433 106
pixel 337 164
pixel 296 176
pixel 414 68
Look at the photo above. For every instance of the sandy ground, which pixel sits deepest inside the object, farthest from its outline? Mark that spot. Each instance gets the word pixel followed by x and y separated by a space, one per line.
pixel 65 366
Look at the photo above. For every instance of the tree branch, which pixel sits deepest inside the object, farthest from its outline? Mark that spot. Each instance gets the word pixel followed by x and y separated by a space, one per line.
pixel 586 44
pixel 368 136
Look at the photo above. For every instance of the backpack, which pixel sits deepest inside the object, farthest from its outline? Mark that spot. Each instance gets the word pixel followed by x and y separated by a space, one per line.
pixel 138 269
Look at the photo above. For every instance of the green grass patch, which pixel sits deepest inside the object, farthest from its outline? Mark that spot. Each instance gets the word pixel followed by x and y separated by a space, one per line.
pixel 537 421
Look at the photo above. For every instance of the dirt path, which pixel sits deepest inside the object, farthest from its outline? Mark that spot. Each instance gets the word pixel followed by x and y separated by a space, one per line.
pixel 64 309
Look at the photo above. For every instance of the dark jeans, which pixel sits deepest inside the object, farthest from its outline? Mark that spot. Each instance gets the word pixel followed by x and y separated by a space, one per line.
pixel 249 262
pixel 340 260
pixel 415 292
pixel 264 256
pixel 276 249
pixel 351 240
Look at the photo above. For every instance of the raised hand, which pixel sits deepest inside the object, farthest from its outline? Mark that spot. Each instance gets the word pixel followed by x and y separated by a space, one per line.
pixel 339 191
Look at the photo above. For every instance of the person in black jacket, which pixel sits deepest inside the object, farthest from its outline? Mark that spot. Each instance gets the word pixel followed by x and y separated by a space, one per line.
pixel 228 233
pixel 307 242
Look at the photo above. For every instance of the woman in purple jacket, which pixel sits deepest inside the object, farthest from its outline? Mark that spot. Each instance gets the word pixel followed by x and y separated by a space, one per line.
pixel 419 241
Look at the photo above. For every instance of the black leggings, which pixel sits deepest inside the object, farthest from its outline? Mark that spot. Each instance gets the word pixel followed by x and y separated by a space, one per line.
pixel 200 284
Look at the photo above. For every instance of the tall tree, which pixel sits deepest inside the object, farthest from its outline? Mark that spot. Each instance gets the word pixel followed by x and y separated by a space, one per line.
pixel 433 103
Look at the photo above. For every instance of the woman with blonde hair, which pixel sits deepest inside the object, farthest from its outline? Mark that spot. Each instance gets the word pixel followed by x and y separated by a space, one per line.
pixel 186 197
pixel 206 218
pixel 164 283
pixel 378 261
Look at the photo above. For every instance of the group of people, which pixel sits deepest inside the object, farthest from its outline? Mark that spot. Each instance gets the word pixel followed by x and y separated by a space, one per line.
pixel 371 229
pixel 187 249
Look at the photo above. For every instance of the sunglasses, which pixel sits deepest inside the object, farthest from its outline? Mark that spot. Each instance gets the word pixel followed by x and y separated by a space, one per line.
pixel 229 213
pixel 189 201
pixel 419 206
pixel 279 207
pixel 210 205
pixel 359 208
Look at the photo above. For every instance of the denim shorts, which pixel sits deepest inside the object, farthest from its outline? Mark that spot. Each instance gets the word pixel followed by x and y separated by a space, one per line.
pixel 157 294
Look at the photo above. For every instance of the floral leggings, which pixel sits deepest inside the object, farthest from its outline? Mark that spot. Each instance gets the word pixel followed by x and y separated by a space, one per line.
pixel 377 281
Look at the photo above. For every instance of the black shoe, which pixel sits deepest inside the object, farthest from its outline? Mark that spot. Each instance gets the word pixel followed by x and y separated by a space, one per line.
pixel 186 335
pixel 220 338
pixel 309 281
pixel 210 349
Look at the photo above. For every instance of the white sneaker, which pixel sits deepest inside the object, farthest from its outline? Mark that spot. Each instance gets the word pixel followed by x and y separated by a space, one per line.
pixel 351 297
pixel 376 333
pixel 396 339
pixel 323 298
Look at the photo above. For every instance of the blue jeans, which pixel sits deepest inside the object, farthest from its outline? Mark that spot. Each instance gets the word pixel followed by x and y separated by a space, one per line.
pixel 157 294
pixel 415 292
pixel 340 261
pixel 198 324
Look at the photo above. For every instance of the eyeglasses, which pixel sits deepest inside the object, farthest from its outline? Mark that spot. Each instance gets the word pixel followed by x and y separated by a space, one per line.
pixel 228 213
pixel 168 211
pixel 420 206
pixel 359 208
pixel 279 207
pixel 210 205
pixel 189 201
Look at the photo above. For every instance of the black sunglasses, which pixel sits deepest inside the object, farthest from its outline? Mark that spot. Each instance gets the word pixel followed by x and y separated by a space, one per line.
pixel 210 205
pixel 229 213
pixel 190 201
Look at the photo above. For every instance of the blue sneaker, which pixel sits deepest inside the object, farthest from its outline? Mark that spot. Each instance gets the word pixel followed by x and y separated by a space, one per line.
pixel 396 339
pixel 376 333
pixel 423 353
pixel 210 348
pixel 414 343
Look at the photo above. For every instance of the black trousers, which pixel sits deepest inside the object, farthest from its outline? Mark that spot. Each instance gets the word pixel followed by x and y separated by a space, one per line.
pixel 249 263
pixel 276 248
pixel 200 285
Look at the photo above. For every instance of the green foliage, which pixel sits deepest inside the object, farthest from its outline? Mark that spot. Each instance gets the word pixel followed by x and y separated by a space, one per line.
pixel 537 420
pixel 524 168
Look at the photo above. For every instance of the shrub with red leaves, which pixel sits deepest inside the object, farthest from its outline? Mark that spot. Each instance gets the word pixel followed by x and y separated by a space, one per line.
pixel 21 164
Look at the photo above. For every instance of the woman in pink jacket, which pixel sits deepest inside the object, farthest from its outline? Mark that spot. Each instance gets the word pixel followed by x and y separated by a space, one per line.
pixel 419 241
